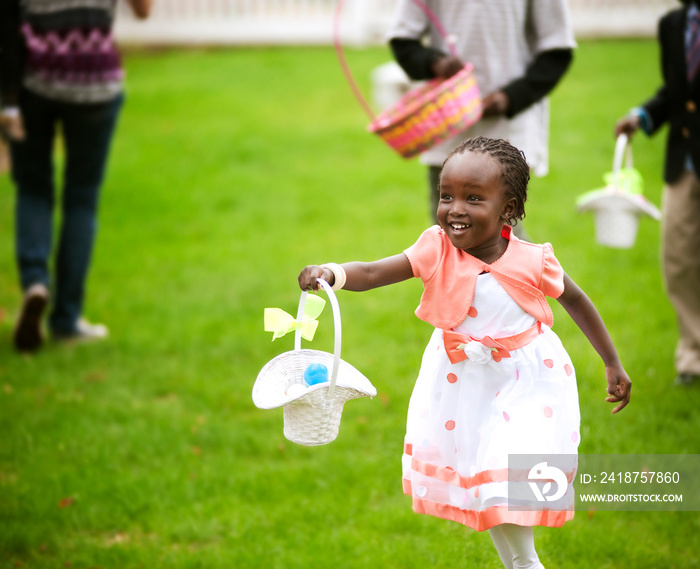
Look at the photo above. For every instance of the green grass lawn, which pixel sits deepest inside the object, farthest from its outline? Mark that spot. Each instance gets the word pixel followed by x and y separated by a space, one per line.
pixel 232 170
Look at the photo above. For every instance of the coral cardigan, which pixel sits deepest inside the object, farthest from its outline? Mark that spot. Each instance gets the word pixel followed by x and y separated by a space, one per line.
pixel 526 271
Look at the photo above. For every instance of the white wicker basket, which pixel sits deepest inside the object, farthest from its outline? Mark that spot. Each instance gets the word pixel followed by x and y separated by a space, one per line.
pixel 617 211
pixel 312 417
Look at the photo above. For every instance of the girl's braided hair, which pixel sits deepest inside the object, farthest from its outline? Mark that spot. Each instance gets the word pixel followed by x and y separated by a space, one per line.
pixel 515 172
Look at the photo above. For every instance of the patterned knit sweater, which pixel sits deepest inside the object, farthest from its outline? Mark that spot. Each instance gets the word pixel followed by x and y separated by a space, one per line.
pixel 67 50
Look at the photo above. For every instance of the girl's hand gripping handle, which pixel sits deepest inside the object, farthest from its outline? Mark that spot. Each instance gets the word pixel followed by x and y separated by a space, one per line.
pixel 309 274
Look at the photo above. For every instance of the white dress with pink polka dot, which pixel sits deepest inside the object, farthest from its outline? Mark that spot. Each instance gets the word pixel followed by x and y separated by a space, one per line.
pixel 464 419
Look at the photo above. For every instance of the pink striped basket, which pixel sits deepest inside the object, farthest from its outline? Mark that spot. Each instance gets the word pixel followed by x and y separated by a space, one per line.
pixel 427 115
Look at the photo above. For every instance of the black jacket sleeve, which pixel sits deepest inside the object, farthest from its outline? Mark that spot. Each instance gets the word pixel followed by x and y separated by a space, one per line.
pixel 541 77
pixel 414 58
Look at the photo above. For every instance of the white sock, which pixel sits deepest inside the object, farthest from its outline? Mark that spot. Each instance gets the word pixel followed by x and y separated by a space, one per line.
pixel 515 546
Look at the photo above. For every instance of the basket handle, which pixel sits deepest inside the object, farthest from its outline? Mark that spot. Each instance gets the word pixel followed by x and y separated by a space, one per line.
pixel 338 330
pixel 622 144
pixel 449 41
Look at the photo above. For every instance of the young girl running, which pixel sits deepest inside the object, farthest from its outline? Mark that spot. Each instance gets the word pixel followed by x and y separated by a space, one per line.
pixel 495 380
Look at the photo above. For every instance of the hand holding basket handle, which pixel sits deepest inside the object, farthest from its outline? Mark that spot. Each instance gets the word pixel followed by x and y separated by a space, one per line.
pixel 495 104
pixel 310 275
pixel 430 114
pixel 447 66
pixel 627 126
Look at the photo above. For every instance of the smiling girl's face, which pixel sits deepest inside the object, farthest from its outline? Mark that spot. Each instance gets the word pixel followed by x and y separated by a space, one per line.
pixel 473 205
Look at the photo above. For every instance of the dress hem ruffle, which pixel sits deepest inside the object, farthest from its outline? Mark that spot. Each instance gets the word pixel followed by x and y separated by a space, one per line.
pixel 481 520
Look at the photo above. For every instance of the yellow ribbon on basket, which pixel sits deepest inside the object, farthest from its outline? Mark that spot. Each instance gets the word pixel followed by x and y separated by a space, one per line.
pixel 280 322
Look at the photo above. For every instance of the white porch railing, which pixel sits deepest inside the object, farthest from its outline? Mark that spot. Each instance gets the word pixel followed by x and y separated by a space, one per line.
pixel 254 22
pixel 269 22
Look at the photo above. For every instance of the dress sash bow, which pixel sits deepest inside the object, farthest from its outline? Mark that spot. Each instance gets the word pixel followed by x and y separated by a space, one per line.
pixel 457 345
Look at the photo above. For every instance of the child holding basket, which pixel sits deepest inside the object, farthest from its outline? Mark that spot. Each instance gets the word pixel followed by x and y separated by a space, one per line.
pixel 494 379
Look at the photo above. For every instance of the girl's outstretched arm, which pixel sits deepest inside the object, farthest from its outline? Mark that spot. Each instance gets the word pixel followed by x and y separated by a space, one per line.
pixel 360 276
pixel 587 318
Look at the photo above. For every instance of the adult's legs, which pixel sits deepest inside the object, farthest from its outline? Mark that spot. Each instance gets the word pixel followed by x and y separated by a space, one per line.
pixel 87 132
pixel 33 174
pixel 681 266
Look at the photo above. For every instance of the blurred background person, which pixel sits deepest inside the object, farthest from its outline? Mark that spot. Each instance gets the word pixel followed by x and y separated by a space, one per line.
pixel 676 103
pixel 59 69
pixel 520 50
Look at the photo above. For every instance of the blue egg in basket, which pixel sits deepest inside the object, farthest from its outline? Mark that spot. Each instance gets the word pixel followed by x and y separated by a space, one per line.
pixel 315 373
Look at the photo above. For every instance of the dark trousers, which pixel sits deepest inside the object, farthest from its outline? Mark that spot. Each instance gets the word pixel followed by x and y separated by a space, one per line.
pixel 87 131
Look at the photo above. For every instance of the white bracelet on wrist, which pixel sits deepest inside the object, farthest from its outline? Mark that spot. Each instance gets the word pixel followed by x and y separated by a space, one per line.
pixel 338 273
pixel 11 112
